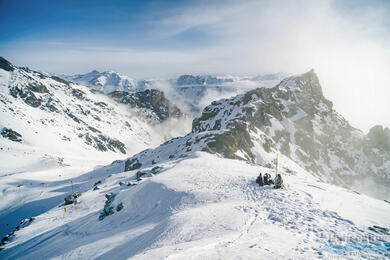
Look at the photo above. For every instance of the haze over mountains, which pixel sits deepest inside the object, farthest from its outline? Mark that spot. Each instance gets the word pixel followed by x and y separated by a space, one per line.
pixel 180 156
pixel 192 92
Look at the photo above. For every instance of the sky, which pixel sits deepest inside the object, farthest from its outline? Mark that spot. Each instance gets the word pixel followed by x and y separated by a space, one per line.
pixel 347 42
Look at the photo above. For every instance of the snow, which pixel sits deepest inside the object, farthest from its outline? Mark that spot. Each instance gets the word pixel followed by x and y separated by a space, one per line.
pixel 204 207
pixel 54 148
pixel 105 82
pixel 189 204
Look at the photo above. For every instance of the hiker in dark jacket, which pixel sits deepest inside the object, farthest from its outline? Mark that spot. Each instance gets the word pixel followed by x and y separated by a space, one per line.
pixel 265 179
pixel 259 180
pixel 269 179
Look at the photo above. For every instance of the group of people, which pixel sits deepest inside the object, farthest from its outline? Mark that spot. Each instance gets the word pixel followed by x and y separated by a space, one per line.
pixel 267 180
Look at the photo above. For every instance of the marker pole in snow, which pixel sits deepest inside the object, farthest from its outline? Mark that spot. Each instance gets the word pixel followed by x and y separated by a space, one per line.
pixel 276 173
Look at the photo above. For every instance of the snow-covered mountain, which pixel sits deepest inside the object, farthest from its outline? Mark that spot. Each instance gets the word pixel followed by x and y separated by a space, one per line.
pixel 53 128
pixel 77 110
pixel 195 197
pixel 106 81
pixel 295 119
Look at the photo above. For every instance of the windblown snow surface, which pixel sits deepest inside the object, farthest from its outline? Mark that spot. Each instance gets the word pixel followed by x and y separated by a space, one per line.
pixel 209 207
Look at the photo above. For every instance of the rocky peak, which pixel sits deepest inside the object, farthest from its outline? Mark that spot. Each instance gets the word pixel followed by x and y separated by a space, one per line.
pixel 307 90
pixel 292 118
pixel 379 137
pixel 295 119
pixel 153 103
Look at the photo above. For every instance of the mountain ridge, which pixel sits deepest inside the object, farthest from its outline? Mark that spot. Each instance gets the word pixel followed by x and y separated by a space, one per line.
pixel 294 118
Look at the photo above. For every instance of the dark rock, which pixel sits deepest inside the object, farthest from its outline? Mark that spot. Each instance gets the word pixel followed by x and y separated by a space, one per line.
pixel 31 100
pixel 94 129
pixel 132 164
pixel 101 104
pixel 108 207
pixel 11 134
pixel 37 87
pixel 379 137
pixel 153 100
pixel 110 196
pixel 79 94
pixel 113 144
pixel 139 174
pixel 380 230
pixel 24 223
pixel 6 238
pixel 97 183
pixel 72 198
pixel 156 169
pixel 127 183
pixel 6 65
pixel 119 207
pixel 60 80
pixel 75 118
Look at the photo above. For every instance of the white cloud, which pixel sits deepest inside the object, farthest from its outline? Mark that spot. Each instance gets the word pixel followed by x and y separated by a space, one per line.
pixel 349 50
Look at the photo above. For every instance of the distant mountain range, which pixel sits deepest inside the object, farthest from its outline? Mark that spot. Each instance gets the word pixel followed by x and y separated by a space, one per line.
pixel 192 92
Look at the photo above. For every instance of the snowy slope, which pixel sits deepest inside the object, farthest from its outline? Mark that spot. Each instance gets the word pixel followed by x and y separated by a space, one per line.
pixel 207 207
pixel 66 130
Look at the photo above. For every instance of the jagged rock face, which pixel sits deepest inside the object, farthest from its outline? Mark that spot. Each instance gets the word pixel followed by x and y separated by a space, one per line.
pixel 379 137
pixel 11 135
pixel 27 85
pixel 6 65
pixel 296 119
pixel 376 146
pixel 153 102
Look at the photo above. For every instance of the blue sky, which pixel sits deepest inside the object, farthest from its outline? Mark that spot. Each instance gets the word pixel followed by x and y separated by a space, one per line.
pixel 103 23
pixel 345 41
pixel 177 26
pixel 225 28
